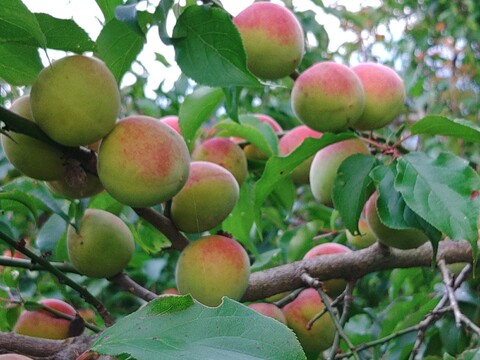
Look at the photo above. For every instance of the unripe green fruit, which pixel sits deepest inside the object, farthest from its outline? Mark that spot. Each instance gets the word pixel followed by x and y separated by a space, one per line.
pixel 273 39
pixel 400 239
pixel 103 246
pixel 43 324
pixel 212 267
pixel 365 238
pixel 32 157
pixel 223 152
pixel 289 142
pixel 75 100
pixel 325 165
pixel 300 311
pixel 269 310
pixel 328 97
pixel 143 162
pixel 91 186
pixel 208 197
pixel 384 95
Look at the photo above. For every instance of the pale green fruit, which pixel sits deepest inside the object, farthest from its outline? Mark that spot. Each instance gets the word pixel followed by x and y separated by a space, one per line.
pixel 103 246
pixel 75 100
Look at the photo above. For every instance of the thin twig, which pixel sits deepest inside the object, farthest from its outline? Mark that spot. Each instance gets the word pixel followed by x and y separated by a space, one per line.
pixel 448 282
pixel 124 281
pixel 32 266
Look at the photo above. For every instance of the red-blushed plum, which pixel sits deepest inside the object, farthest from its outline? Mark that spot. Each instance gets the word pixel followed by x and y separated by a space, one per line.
pixel 75 100
pixel 397 238
pixel 32 157
pixel 325 165
pixel 333 287
pixel 300 311
pixel 384 95
pixel 172 121
pixel 103 245
pixel 223 152
pixel 364 239
pixel 143 162
pixel 43 324
pixel 269 310
pixel 273 39
pixel 289 142
pixel 212 267
pixel 328 97
pixel 207 198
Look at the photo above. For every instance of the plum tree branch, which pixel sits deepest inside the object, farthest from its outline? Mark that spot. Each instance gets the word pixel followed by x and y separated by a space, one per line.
pixel 131 286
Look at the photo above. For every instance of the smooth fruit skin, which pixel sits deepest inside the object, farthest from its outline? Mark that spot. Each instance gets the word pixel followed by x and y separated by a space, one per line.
pixel 75 100
pixel 364 239
pixel 14 357
pixel 333 287
pixel 269 310
pixel 103 246
pixel 43 324
pixel 32 157
pixel 212 267
pixel 207 198
pixel 223 152
pixel 325 165
pixel 400 239
pixel 300 311
pixel 172 121
pixel 328 97
pixel 384 95
pixel 143 162
pixel 273 39
pixel 289 142
pixel 91 186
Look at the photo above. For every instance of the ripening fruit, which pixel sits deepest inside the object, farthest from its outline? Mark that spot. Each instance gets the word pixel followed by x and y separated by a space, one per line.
pixel 75 100
pixel 333 287
pixel 400 239
pixel 172 121
pixel 208 197
pixel 325 165
pixel 289 142
pixel 14 357
pixel 384 95
pixel 364 239
pixel 328 97
pixel 91 186
pixel 32 157
pixel 43 324
pixel 143 162
pixel 300 311
pixel 223 152
pixel 273 39
pixel 212 267
pixel 269 310
pixel 251 151
pixel 103 245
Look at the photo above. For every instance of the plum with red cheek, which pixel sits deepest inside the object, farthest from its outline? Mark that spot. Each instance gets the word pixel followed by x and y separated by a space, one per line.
pixel 273 39
pixel 143 162
pixel 289 142
pixel 269 310
pixel 212 267
pixel 223 152
pixel 172 121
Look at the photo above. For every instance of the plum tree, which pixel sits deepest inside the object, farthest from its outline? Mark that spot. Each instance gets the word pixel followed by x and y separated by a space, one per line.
pixel 100 233
pixel 333 287
pixel 325 165
pixel 384 95
pixel 44 324
pixel 328 97
pixel 300 311
pixel 289 142
pixel 207 198
pixel 273 39
pixel 65 100
pixel 223 152
pixel 32 157
pixel 365 238
pixel 143 162
pixel 397 238
pixel 269 310
pixel 212 267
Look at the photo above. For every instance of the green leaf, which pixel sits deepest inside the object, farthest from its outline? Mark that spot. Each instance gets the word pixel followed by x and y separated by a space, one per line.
pixel 22 198
pixel 208 48
pixel 351 188
pixel 160 18
pixel 440 125
pixel 50 233
pixel 18 24
pixel 19 63
pixel 439 190
pixel 149 238
pixel 175 327
pixel 108 8
pixel 118 45
pixel 63 34
pixel 128 15
pixel 197 108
